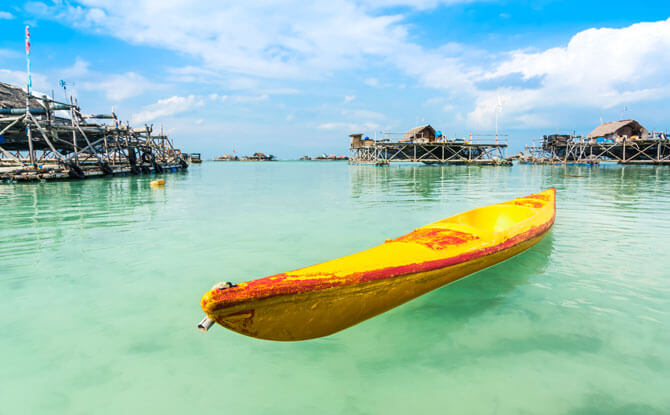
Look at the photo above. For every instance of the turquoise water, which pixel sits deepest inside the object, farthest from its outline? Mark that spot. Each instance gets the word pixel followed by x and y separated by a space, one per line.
pixel 101 280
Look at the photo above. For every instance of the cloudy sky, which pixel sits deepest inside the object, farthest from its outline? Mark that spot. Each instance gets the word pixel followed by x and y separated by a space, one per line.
pixel 296 77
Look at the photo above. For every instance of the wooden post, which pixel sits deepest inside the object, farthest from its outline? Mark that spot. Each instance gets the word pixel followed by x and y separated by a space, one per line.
pixel 74 133
pixel 106 149
pixel 44 135
pixel 31 155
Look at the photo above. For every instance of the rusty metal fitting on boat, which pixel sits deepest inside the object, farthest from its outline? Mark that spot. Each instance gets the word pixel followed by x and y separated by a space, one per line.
pixel 205 324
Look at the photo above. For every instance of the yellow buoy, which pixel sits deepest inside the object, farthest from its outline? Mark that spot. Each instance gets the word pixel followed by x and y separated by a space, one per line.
pixel 157 183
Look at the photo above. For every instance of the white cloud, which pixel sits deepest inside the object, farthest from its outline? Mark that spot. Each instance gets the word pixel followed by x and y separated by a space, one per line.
pixel 439 69
pixel 6 15
pixel 241 83
pixel 416 4
pixel 599 68
pixel 247 99
pixel 18 78
pixel 373 82
pixel 350 127
pixel 376 83
pixel 357 120
pixel 240 48
pixel 192 73
pixel 281 91
pixel 303 39
pixel 167 107
pixel 331 126
pixel 364 114
pixel 122 86
pixel 10 54
pixel 434 101
pixel 77 71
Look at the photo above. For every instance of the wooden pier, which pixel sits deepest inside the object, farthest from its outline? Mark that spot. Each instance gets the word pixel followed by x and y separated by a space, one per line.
pixel 623 142
pixel 42 139
pixel 479 150
pixel 654 150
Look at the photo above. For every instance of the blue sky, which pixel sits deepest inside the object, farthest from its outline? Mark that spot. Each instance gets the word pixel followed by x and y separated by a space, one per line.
pixel 293 78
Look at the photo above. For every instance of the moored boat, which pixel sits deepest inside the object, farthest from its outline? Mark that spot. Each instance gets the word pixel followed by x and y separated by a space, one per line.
pixel 325 298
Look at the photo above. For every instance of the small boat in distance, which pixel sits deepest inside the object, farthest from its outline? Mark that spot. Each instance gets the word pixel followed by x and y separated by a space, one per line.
pixel 195 158
pixel 325 298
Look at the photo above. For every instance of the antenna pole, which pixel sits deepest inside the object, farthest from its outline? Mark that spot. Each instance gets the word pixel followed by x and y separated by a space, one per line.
pixel 498 110
pixel 29 88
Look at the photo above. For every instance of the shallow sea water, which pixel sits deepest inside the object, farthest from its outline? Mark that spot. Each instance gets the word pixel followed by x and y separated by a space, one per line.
pixel 100 284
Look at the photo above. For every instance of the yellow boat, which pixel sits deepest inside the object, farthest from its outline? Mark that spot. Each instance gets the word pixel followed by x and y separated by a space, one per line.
pixel 323 299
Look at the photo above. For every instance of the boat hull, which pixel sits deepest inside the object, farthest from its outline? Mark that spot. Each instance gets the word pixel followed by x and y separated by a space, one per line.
pixel 291 313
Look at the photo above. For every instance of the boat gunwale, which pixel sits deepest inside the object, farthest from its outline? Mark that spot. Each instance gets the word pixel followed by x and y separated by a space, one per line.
pixel 229 315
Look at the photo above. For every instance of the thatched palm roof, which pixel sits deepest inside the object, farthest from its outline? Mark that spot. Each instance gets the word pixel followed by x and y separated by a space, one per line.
pixel 14 97
pixel 608 128
pixel 427 130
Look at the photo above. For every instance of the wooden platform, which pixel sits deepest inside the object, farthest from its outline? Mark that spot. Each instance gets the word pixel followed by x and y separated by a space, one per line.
pixel 655 151
pixel 54 172
pixel 452 152
pixel 50 140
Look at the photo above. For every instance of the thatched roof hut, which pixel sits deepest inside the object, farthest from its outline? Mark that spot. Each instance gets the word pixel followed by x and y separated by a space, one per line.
pixel 618 130
pixel 423 133
pixel 14 97
pixel 260 156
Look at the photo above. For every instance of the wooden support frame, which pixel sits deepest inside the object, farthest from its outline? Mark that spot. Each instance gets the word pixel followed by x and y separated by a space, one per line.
pixel 384 153
pixel 655 150
pixel 45 147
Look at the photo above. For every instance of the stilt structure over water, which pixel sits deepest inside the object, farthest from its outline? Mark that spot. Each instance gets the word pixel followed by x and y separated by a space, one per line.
pixel 424 144
pixel 42 139
pixel 623 142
